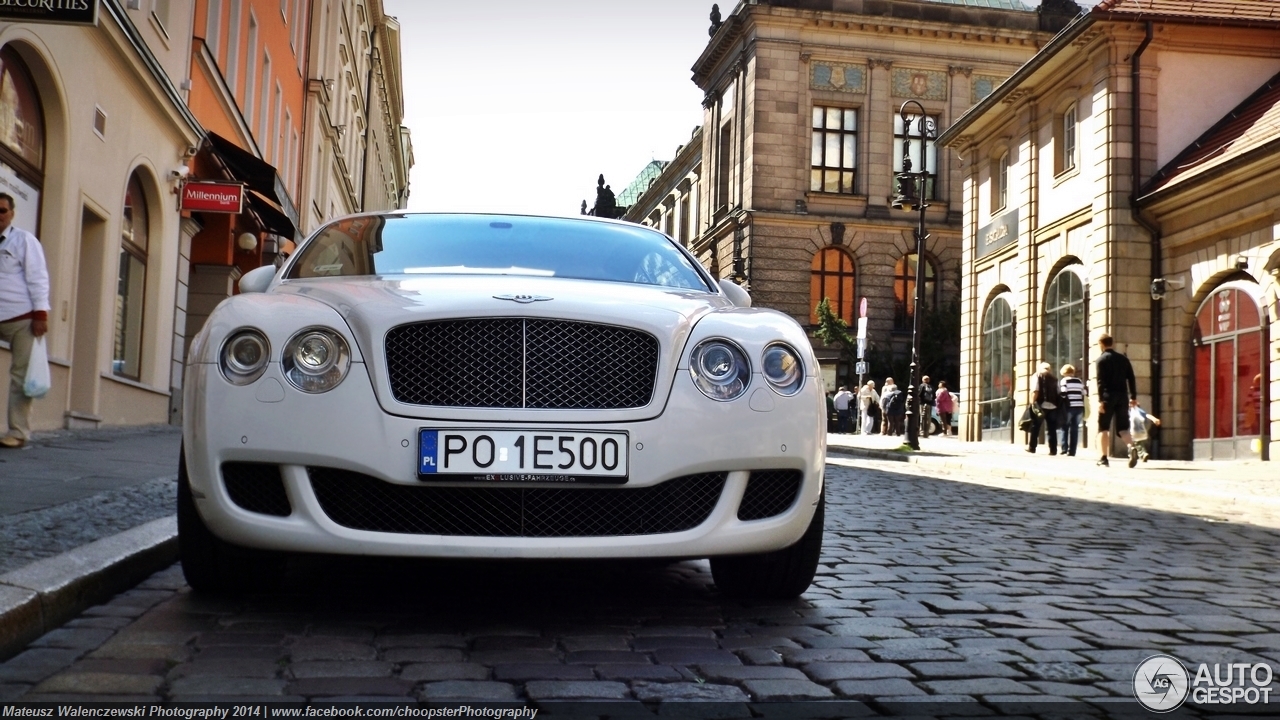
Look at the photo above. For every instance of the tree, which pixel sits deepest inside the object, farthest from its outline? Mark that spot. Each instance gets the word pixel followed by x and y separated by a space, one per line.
pixel 833 330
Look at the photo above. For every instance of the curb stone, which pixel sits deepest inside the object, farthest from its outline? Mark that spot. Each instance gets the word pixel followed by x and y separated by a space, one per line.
pixel 42 596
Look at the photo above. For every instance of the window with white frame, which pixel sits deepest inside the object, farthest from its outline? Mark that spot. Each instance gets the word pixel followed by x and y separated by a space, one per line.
pixel 834 150
pixel 250 66
pixel 233 44
pixel 1000 183
pixel 1065 133
pixel 213 30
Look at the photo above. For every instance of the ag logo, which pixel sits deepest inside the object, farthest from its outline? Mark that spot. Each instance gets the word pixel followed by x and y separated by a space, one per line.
pixel 1160 683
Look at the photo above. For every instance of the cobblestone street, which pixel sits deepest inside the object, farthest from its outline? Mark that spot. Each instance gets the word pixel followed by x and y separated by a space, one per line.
pixel 929 589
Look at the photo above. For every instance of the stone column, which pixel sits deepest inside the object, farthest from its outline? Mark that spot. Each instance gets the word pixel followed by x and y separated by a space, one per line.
pixel 879 138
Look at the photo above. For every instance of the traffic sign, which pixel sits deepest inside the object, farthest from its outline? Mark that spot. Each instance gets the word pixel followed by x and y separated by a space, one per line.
pixel 860 368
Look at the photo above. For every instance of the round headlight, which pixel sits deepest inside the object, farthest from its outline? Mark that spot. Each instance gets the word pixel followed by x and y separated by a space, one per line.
pixel 316 360
pixel 783 369
pixel 720 369
pixel 244 357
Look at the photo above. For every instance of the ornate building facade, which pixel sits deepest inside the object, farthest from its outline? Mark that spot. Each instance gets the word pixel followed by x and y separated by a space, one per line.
pixel 1124 181
pixel 800 141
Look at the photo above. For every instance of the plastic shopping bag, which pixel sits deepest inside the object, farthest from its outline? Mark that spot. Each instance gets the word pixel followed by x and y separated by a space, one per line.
pixel 37 382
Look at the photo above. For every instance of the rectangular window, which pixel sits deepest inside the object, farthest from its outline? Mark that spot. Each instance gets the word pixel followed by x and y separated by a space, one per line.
pixel 724 149
pixel 1000 183
pixel 250 60
pixel 684 221
pixel 296 37
pixel 233 44
pixel 160 10
pixel 926 160
pixel 294 146
pixel 834 159
pixel 264 114
pixel 213 30
pixel 284 10
pixel 277 135
pixel 1069 139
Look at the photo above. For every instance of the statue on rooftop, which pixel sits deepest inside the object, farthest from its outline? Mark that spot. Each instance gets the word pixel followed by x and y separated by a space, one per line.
pixel 606 203
pixel 715 20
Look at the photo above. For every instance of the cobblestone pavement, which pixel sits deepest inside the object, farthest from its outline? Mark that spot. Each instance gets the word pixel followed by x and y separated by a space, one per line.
pixel 929 589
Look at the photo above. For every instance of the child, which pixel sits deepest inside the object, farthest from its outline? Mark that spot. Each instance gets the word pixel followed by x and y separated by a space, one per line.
pixel 1140 422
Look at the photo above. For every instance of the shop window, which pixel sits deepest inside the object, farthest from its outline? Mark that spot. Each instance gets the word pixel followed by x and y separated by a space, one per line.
pixel 997 366
pixel 904 290
pixel 833 276
pixel 1064 323
pixel 21 120
pixel 131 283
pixel 1228 366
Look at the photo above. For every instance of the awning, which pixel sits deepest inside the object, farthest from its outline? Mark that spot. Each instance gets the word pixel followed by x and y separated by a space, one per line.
pixel 272 219
pixel 261 178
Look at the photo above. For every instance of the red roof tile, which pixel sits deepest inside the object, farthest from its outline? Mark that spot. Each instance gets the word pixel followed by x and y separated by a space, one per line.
pixel 1229 10
pixel 1253 124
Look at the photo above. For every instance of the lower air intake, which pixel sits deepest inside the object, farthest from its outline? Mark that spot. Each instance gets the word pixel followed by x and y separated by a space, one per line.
pixel 769 493
pixel 256 487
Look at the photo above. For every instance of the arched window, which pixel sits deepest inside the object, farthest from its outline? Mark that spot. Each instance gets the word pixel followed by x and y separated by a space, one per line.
pixel 21 137
pixel 904 290
pixel 833 276
pixel 997 368
pixel 1229 392
pixel 131 283
pixel 1064 323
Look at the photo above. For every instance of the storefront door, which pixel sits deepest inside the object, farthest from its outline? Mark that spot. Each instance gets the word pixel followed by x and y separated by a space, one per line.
pixel 1229 390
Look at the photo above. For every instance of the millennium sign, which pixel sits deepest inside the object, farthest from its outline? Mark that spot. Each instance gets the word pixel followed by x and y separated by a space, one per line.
pixel 1000 232
pixel 71 12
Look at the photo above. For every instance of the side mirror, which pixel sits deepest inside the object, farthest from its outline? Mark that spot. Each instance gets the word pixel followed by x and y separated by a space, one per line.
pixel 737 295
pixel 258 279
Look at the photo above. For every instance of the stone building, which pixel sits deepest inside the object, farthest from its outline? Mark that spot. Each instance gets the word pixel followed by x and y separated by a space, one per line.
pixel 669 199
pixel 1124 181
pixel 801 138
pixel 95 134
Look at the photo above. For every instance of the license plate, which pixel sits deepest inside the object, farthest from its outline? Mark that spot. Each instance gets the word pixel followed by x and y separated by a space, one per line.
pixel 523 455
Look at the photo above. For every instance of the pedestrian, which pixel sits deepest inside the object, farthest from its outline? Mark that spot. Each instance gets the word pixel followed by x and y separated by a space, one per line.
pixel 927 395
pixel 894 404
pixel 831 412
pixel 1117 392
pixel 869 404
pixel 946 406
pixel 1071 388
pixel 1045 398
pixel 24 314
pixel 1140 423
pixel 841 402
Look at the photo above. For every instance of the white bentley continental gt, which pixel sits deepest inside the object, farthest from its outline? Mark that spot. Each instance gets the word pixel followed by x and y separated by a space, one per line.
pixel 500 386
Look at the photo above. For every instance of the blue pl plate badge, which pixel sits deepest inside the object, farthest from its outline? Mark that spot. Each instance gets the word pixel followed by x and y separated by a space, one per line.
pixel 427 453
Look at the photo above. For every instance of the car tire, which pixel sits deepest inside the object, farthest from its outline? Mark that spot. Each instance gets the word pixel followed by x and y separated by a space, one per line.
pixel 212 565
pixel 779 575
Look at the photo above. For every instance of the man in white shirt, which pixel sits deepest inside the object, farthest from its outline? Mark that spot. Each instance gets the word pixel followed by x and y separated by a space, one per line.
pixel 841 402
pixel 24 314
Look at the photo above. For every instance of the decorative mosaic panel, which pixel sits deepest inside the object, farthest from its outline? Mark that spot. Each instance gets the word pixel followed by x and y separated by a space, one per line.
pixel 982 86
pixel 922 84
pixel 838 77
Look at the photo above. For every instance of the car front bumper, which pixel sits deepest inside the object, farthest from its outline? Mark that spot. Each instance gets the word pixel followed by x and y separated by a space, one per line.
pixel 346 429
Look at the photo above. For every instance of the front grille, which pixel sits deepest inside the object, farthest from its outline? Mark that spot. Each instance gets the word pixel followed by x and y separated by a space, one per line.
pixel 361 502
pixel 521 363
pixel 256 487
pixel 769 493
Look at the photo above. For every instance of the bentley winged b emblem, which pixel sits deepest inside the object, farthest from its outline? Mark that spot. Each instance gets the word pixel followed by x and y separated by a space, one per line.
pixel 522 299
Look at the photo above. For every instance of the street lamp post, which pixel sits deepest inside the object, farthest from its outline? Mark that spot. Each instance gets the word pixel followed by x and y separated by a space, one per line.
pixel 913 192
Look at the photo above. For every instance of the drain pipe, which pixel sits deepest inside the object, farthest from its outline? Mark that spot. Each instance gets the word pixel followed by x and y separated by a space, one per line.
pixel 1157 314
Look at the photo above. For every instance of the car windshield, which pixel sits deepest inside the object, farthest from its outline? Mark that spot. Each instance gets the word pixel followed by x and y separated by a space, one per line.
pixel 495 245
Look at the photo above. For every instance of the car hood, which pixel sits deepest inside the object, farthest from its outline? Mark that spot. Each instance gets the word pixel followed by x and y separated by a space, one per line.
pixel 374 305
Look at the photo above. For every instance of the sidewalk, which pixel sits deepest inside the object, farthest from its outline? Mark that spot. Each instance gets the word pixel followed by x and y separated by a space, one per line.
pixel 1237 491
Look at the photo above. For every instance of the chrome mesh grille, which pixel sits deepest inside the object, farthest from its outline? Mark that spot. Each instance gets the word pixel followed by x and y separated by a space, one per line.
pixel 769 493
pixel 256 487
pixel 521 363
pixel 361 502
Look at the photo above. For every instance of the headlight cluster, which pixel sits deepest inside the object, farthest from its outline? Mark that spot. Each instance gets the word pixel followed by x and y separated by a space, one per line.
pixel 721 371
pixel 315 359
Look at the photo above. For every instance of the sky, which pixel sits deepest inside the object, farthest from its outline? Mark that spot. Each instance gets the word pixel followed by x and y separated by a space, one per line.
pixel 518 105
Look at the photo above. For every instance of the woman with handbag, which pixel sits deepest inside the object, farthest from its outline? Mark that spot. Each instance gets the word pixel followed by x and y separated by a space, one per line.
pixel 1046 399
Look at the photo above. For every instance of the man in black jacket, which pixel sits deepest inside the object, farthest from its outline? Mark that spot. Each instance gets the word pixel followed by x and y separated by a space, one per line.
pixel 1117 392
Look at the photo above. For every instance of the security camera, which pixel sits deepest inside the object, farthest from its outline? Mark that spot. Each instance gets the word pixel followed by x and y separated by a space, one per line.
pixel 1242 262
pixel 179 172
